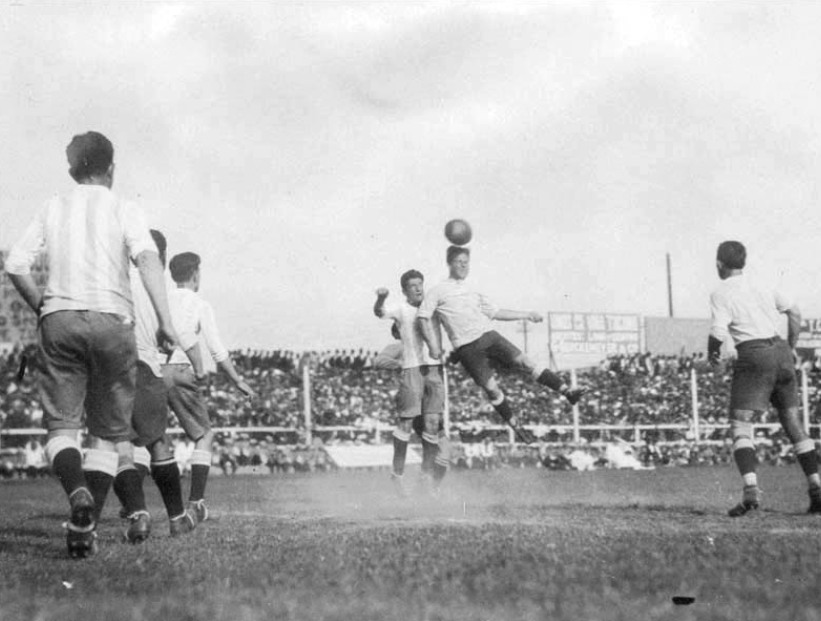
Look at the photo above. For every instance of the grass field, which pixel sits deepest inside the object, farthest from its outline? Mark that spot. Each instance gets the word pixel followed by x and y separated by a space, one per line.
pixel 509 544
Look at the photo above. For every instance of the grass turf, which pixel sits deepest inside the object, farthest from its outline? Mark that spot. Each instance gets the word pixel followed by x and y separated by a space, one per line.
pixel 508 544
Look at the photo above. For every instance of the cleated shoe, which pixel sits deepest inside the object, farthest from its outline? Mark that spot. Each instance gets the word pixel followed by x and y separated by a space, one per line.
pixel 82 508
pixel 198 510
pixel 182 524
pixel 139 527
pixel 749 501
pixel 574 394
pixel 81 541
pixel 815 500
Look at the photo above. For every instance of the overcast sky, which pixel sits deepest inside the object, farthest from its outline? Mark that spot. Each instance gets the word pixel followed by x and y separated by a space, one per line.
pixel 313 152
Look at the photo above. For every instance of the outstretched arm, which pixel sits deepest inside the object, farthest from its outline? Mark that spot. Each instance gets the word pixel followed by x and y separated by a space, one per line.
pixel 504 314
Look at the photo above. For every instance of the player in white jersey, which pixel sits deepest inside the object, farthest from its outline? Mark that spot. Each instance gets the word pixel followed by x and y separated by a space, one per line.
pixel 764 372
pixel 466 316
pixel 153 451
pixel 87 348
pixel 421 388
pixel 192 314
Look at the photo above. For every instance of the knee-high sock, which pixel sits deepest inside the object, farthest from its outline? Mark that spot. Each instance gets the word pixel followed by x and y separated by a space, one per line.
pixel 548 378
pixel 128 486
pixel 200 466
pixel 99 468
pixel 400 451
pixel 808 459
pixel 744 454
pixel 66 462
pixel 166 475
pixel 430 448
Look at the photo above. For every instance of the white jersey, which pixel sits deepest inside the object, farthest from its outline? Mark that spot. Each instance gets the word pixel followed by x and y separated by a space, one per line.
pixel 465 314
pixel 745 311
pixel 191 314
pixel 414 349
pixel 89 235
pixel 147 325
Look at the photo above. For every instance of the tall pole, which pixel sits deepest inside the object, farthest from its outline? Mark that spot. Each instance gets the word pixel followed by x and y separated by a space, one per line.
pixel 669 287
pixel 805 398
pixel 306 399
pixel 694 404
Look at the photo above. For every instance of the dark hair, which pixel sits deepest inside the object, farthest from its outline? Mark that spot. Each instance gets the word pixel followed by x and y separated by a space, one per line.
pixel 88 155
pixel 455 251
pixel 162 245
pixel 183 266
pixel 407 276
pixel 732 254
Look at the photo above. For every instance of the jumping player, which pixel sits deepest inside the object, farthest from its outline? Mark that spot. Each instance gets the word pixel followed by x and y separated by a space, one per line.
pixel 764 372
pixel 192 314
pixel 153 451
pixel 466 316
pixel 86 328
pixel 421 388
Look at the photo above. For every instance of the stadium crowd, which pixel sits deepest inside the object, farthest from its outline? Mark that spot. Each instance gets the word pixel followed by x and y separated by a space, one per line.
pixel 353 401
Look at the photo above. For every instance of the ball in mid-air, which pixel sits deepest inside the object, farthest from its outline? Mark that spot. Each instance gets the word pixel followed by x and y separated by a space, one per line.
pixel 458 232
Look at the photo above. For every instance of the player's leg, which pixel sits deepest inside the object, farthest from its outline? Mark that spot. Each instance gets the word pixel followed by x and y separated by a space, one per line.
pixel 192 413
pixel 753 382
pixel 112 359
pixel 408 406
pixel 433 405
pixel 746 460
pixel 62 387
pixel 785 399
pixel 166 475
pixel 548 378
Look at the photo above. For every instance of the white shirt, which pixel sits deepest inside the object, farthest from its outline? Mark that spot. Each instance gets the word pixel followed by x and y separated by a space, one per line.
pixel 465 314
pixel 414 349
pixel 147 324
pixel 190 314
pixel 89 236
pixel 745 311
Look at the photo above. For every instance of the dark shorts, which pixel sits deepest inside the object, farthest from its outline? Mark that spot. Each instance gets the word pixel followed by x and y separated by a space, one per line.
pixel 421 391
pixel 185 399
pixel 764 374
pixel 89 366
pixel 477 356
pixel 150 418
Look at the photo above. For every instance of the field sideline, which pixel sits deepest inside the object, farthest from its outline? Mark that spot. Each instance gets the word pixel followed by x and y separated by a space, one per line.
pixel 508 544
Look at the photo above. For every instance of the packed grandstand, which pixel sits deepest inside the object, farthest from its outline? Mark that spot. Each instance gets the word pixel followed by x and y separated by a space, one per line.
pixel 352 402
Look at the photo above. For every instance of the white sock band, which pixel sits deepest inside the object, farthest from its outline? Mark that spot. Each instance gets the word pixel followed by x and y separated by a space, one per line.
pixel 142 457
pixel 101 461
pixel 430 438
pixel 805 446
pixel 201 458
pixel 60 443
pixel 402 436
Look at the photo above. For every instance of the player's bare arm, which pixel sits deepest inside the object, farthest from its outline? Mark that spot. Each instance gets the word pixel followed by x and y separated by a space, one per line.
pixel 430 337
pixel 27 288
pixel 379 305
pixel 152 275
pixel 512 315
pixel 228 368
pixel 793 324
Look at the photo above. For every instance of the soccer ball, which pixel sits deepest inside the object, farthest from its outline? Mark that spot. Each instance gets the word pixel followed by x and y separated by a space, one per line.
pixel 458 232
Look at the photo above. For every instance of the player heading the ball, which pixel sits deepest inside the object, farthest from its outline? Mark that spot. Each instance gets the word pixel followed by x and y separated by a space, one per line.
pixel 467 316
